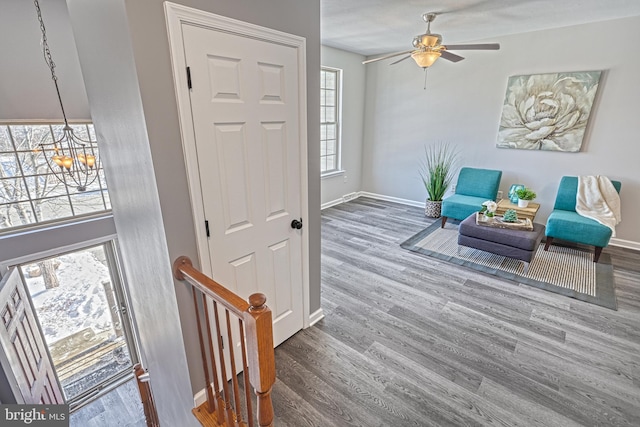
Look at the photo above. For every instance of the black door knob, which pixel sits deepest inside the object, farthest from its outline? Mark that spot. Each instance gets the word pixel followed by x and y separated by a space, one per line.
pixel 297 224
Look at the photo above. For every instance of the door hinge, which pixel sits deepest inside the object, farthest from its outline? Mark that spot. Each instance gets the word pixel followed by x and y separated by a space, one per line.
pixel 206 227
pixel 189 77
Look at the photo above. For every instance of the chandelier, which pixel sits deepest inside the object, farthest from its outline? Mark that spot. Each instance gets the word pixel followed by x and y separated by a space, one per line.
pixel 73 160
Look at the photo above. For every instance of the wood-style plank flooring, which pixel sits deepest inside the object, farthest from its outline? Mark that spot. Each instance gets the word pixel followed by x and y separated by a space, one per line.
pixel 412 341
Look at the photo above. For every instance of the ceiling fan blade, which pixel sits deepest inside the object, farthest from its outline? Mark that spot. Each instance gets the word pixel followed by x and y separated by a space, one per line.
pixel 481 46
pixel 387 56
pixel 450 56
pixel 400 60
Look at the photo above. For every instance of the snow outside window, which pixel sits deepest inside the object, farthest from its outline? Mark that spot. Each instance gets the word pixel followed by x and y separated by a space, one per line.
pixel 79 303
pixel 30 194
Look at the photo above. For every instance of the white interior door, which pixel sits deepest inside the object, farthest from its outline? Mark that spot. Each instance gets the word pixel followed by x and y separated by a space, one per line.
pixel 245 109
pixel 25 357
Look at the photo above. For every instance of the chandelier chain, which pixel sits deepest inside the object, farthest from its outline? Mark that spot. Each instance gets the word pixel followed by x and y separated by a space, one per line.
pixel 49 59
pixel 74 160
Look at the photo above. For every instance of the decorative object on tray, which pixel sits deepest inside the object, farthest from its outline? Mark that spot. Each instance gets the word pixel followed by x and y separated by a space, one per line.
pixel 513 197
pixel 436 172
pixel 510 216
pixel 524 196
pixel 547 111
pixel 499 222
pixel 529 212
pixel 489 208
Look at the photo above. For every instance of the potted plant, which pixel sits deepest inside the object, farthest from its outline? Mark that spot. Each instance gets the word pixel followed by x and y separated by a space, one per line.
pixel 436 172
pixel 524 196
pixel 489 208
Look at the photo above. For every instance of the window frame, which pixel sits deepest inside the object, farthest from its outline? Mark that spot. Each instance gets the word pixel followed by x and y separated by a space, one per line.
pixel 337 169
pixel 67 195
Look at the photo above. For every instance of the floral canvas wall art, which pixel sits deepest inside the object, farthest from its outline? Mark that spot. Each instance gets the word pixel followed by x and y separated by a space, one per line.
pixel 547 111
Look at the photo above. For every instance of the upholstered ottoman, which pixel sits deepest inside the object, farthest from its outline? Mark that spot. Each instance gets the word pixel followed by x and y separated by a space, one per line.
pixel 516 244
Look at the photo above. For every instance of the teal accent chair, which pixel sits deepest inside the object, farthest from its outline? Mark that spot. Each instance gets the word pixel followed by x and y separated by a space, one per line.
pixel 566 224
pixel 474 187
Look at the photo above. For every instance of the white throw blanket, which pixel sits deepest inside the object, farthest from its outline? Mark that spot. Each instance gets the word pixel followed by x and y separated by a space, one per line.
pixel 598 199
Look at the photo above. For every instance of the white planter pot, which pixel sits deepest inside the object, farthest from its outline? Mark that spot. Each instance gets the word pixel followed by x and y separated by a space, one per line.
pixel 523 203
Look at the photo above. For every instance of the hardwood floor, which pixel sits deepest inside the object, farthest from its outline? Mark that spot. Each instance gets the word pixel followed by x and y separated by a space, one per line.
pixel 412 341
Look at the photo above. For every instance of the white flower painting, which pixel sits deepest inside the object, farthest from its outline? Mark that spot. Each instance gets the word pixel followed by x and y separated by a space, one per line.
pixel 547 111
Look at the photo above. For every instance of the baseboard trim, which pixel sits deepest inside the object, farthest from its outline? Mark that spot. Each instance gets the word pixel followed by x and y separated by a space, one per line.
pixel 625 244
pixel 343 199
pixel 199 398
pixel 315 317
pixel 392 199
pixel 331 203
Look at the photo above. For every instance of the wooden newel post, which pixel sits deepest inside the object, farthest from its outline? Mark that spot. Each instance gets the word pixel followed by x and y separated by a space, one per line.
pixel 261 356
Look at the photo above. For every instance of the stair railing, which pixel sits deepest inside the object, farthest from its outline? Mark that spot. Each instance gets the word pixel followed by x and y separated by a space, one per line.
pixel 149 406
pixel 224 405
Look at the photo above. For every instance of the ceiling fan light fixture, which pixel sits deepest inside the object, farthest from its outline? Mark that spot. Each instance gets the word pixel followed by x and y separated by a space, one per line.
pixel 425 59
pixel 428 47
pixel 430 40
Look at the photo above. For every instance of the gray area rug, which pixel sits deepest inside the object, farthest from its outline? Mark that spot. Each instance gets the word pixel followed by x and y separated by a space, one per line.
pixel 564 270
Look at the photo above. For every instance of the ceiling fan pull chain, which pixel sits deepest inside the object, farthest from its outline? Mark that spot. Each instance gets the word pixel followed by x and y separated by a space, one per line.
pixel 425 78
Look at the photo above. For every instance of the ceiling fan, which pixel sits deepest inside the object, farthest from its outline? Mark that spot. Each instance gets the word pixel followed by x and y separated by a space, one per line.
pixel 428 48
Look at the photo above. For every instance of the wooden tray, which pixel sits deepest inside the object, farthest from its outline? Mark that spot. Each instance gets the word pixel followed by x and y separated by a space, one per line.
pixel 498 222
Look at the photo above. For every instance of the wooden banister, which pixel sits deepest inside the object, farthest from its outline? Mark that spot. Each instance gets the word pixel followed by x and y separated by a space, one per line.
pixel 255 327
pixel 183 270
pixel 150 413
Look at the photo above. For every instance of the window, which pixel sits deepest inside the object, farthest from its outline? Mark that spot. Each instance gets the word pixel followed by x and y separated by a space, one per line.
pixel 330 83
pixel 29 191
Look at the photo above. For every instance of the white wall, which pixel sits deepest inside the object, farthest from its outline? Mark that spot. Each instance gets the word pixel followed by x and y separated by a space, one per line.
pixel 353 95
pixel 463 103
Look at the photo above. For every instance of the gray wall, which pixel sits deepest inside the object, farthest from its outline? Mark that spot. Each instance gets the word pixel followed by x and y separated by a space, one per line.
pixel 353 75
pixel 124 54
pixel 463 103
pixel 107 58
pixel 26 89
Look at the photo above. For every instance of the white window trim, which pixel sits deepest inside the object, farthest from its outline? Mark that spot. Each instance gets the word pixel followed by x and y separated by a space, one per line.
pixel 332 174
pixel 25 245
pixel 338 170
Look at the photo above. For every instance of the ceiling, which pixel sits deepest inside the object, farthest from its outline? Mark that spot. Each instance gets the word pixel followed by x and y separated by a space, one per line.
pixel 371 27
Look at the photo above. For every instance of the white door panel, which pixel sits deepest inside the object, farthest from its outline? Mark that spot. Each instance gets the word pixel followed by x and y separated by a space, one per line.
pixel 25 355
pixel 245 110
